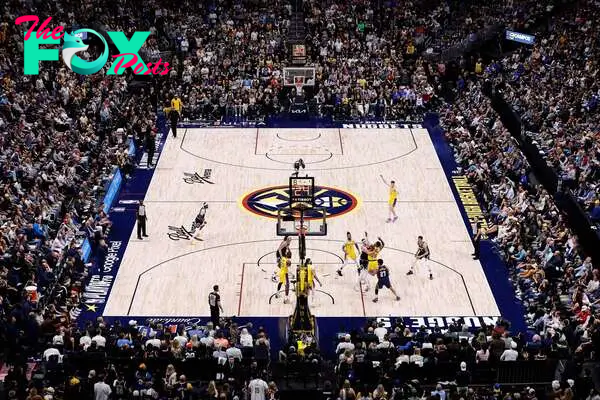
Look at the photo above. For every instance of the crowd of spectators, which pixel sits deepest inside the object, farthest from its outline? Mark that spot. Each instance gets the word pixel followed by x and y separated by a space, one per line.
pixel 550 272
pixel 149 362
pixel 231 57
pixel 393 362
pixel 554 88
pixel 61 137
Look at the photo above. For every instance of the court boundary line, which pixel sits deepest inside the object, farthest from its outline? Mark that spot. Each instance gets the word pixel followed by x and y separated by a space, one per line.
pixel 416 147
pixel 316 290
pixel 308 162
pixel 241 288
pixel 299 140
pixel 140 275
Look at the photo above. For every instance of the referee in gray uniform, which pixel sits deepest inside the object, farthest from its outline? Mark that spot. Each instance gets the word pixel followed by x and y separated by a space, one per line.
pixel 142 217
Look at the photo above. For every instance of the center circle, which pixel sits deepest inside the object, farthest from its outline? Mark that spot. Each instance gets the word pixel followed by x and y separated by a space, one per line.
pixel 265 202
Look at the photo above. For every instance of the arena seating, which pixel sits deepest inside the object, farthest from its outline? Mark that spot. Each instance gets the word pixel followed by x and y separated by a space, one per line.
pixel 62 137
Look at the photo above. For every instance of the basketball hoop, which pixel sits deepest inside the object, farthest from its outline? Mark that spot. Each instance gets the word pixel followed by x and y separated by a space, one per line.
pixel 302 229
pixel 298 83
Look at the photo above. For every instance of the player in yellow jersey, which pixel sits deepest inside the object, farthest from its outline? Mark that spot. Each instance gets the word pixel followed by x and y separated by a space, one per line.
pixel 284 280
pixel 392 199
pixel 350 249
pixel 311 278
pixel 373 255
pixel 282 250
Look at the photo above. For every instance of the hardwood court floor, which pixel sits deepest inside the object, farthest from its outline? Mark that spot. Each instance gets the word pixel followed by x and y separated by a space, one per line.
pixel 165 277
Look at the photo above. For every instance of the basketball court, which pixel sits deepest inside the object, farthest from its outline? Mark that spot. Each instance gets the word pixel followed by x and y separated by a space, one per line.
pixel 243 175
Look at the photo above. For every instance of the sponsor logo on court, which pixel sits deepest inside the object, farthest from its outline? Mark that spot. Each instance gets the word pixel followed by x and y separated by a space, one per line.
pixel 96 291
pixel 179 233
pixel 472 322
pixel 265 202
pixel 143 164
pixel 195 177
pixel 469 201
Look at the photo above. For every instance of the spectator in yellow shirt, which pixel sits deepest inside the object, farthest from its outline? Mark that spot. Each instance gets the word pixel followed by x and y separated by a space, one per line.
pixel 175 112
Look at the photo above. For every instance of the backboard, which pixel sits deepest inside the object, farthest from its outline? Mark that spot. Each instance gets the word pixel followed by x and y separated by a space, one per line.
pixel 314 222
pixel 307 74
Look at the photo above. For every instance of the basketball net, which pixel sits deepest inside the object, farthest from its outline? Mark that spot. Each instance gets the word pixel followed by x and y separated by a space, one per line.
pixel 298 83
pixel 302 229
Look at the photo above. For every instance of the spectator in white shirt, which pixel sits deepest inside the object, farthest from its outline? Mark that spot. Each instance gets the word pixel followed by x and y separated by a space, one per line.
pixel 52 352
pixel 59 338
pixel 345 345
pixel 209 341
pixel 181 338
pixel 510 354
pixel 99 340
pixel 153 341
pixel 417 358
pixel 380 332
pixel 102 390
pixel 402 359
pixel 85 341
pixel 246 338
pixel 234 352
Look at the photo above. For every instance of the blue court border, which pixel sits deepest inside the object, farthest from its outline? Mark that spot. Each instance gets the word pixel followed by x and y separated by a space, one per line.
pixel 123 216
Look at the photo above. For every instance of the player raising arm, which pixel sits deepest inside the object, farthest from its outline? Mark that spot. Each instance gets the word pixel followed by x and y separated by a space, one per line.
pixel 392 199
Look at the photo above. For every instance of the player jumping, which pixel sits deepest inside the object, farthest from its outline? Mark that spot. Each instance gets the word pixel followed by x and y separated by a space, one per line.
pixel 282 251
pixel 383 280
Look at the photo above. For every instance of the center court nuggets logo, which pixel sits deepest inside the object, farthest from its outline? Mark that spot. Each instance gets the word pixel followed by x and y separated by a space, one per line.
pixel 265 202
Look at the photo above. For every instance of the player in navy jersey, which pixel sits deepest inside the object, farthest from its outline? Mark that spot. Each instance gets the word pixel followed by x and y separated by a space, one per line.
pixel 383 280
